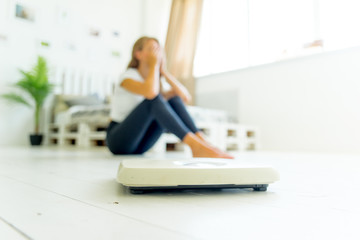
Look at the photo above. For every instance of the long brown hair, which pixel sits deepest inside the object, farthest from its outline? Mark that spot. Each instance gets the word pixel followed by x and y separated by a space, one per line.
pixel 138 46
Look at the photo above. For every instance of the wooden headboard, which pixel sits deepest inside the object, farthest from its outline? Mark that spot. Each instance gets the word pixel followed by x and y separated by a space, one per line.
pixel 72 81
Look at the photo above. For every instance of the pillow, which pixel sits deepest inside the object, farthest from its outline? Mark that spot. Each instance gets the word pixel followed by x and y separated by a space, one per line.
pixel 89 100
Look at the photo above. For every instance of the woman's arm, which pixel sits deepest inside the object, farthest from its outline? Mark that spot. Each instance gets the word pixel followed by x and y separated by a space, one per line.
pixel 150 88
pixel 176 87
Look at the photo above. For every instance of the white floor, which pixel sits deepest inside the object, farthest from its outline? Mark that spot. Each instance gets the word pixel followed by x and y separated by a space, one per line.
pixel 49 193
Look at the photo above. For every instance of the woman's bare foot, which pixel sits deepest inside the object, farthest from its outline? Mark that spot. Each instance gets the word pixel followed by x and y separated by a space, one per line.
pixel 202 137
pixel 201 149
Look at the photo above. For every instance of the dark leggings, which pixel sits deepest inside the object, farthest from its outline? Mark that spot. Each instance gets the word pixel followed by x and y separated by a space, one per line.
pixel 144 125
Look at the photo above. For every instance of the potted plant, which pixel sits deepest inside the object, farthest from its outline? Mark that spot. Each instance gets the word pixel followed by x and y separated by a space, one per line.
pixel 37 87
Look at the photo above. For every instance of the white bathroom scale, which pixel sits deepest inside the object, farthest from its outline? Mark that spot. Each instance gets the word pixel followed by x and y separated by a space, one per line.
pixel 146 175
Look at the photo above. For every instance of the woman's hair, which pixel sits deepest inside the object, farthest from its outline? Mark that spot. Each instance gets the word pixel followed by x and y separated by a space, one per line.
pixel 138 46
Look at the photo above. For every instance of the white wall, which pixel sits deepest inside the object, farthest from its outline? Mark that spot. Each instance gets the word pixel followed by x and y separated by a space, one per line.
pixel 305 104
pixel 156 18
pixel 20 47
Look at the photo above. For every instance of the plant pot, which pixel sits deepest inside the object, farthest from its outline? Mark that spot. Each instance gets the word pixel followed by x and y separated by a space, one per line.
pixel 36 139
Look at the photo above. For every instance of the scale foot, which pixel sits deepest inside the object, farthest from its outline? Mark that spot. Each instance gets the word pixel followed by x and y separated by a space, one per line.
pixel 136 191
pixel 260 189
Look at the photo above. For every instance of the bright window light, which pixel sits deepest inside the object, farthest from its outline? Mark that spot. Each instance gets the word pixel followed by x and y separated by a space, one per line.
pixel 339 23
pixel 223 37
pixel 235 34
pixel 279 28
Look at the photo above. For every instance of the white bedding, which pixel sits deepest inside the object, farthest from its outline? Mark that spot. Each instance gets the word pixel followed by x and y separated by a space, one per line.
pixel 84 114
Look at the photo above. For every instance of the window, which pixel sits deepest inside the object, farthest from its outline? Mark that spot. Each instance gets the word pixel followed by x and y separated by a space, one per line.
pixel 339 23
pixel 278 28
pixel 237 34
pixel 223 37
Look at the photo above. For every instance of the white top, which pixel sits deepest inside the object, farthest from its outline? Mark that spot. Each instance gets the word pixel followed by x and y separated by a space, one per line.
pixel 123 101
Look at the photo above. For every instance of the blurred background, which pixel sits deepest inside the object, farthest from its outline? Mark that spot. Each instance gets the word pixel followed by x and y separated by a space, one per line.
pixel 290 68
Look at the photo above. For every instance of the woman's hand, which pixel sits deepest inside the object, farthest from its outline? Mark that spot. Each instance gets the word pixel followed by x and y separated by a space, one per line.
pixel 163 69
pixel 154 56
pixel 176 87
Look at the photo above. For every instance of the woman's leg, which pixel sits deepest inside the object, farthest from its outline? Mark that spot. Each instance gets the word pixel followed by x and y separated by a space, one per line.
pixel 165 115
pixel 151 136
pixel 127 137
pixel 134 134
pixel 178 106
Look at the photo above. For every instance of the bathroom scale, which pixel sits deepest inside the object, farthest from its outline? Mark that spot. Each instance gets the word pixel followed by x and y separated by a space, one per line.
pixel 148 175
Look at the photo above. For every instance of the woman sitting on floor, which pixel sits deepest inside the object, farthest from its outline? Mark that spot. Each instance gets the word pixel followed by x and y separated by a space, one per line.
pixel 141 111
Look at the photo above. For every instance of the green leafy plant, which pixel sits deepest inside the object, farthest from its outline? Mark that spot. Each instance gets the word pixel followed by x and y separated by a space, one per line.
pixel 36 86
